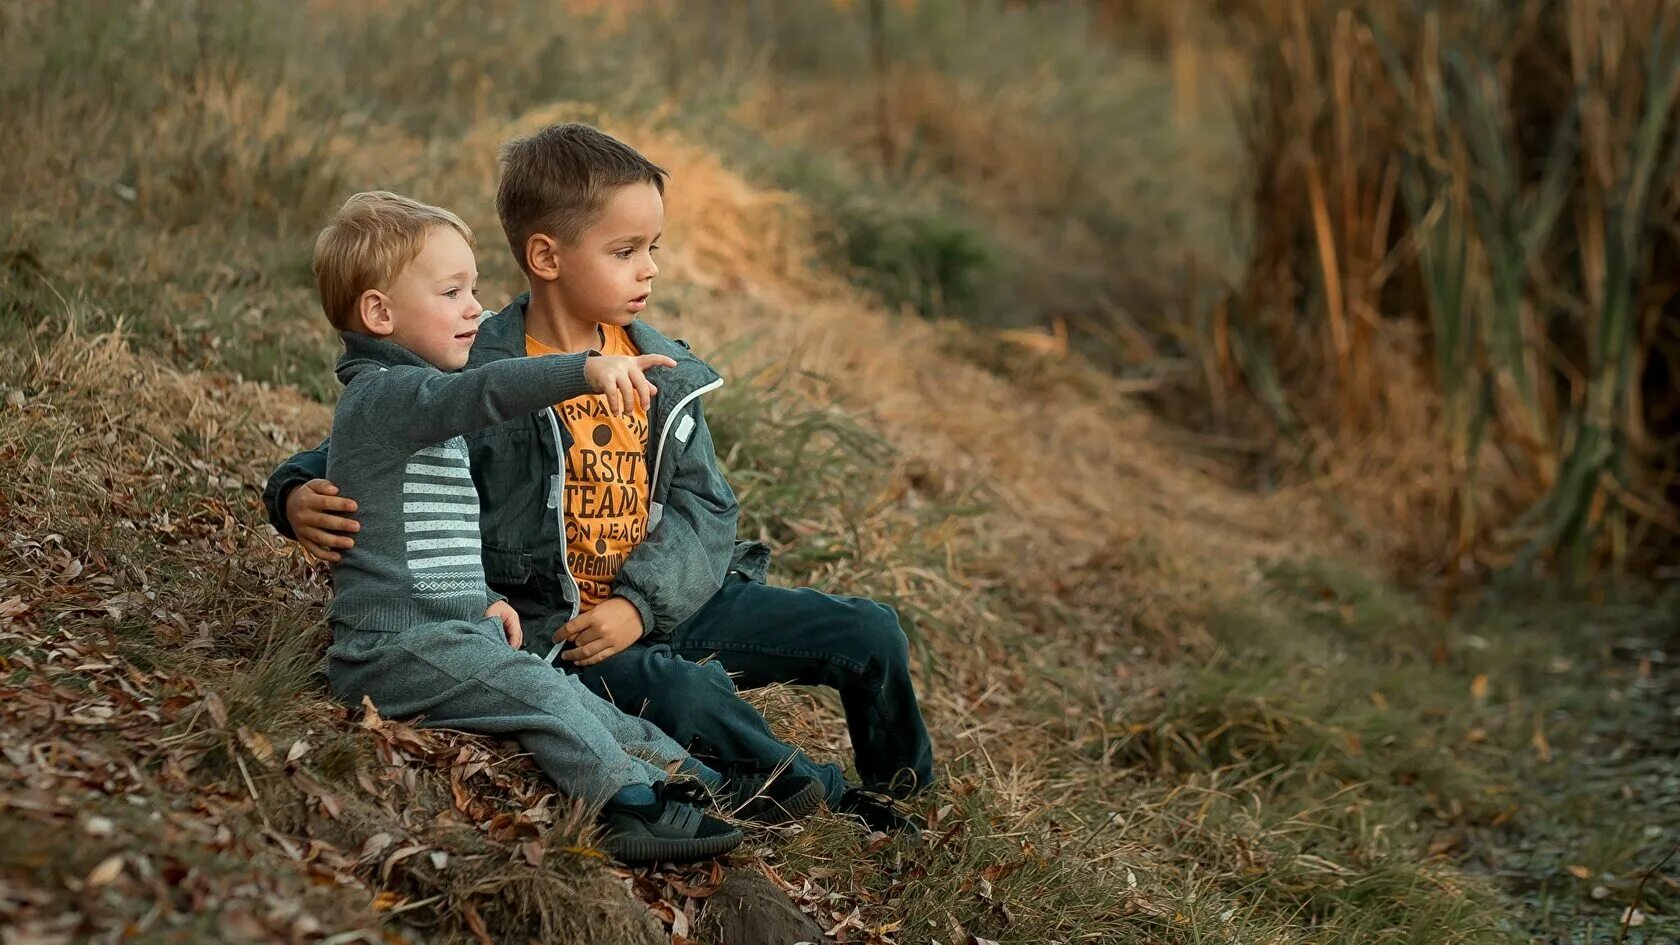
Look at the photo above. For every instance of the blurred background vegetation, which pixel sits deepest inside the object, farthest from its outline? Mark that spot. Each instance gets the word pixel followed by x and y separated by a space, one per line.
pixel 1409 261
pixel 1418 250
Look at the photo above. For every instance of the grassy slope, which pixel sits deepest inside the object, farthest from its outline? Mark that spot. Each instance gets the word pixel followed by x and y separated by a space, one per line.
pixel 1159 724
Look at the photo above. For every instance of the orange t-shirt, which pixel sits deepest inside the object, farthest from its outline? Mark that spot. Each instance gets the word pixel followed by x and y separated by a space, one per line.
pixel 606 491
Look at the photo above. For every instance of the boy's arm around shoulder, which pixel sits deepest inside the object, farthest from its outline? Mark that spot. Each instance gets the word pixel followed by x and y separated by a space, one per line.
pixel 682 562
pixel 419 407
pixel 294 472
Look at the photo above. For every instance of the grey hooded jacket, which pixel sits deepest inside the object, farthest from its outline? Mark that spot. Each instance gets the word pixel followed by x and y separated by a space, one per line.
pixel 519 469
pixel 400 423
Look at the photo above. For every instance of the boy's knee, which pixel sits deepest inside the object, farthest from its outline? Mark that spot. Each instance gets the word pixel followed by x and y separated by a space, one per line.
pixel 882 635
pixel 687 684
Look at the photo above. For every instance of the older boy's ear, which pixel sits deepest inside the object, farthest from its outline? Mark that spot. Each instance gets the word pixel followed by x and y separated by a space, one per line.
pixel 542 257
pixel 375 313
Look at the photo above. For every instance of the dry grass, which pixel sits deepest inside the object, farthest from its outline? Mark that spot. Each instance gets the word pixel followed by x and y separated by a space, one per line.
pixel 876 519
pixel 182 641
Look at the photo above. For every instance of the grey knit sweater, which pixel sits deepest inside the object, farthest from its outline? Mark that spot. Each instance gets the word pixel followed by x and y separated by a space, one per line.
pixel 397 450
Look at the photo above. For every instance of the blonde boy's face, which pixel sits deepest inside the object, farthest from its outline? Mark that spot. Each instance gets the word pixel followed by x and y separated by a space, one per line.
pixel 607 275
pixel 432 307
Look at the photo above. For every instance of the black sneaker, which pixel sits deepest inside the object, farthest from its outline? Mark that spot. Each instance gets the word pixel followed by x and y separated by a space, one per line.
pixel 774 799
pixel 690 791
pixel 876 810
pixel 668 830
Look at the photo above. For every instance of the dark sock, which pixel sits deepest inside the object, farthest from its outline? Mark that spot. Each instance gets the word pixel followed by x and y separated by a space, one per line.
pixel 697 769
pixel 634 795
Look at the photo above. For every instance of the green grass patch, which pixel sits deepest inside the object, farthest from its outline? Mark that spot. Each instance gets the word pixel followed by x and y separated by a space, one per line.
pixel 1378 744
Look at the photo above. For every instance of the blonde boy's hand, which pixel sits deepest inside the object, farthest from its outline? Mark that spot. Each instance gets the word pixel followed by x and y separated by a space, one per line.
pixel 613 625
pixel 623 379
pixel 312 509
pixel 510 622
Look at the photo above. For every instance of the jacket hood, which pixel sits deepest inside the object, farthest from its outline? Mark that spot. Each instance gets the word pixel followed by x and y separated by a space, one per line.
pixel 365 352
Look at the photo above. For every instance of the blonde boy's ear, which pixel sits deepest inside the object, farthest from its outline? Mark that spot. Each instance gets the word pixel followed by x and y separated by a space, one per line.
pixel 542 257
pixel 375 312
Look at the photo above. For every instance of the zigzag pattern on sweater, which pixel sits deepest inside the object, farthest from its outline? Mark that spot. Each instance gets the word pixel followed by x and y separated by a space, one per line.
pixel 432 587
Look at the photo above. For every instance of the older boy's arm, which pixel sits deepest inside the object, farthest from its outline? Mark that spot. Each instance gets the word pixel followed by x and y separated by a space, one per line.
pixel 308 509
pixel 294 472
pixel 681 563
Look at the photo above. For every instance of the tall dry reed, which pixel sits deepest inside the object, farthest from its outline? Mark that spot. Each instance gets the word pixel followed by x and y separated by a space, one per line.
pixel 1460 304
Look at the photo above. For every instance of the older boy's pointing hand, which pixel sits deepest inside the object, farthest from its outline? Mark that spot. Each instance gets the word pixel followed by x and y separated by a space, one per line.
pixel 614 624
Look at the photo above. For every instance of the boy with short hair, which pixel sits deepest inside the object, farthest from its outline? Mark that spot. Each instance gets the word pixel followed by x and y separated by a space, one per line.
pixel 640 577
pixel 415 628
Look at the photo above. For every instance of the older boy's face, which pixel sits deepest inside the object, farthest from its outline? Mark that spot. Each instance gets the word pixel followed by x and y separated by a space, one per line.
pixel 433 301
pixel 607 275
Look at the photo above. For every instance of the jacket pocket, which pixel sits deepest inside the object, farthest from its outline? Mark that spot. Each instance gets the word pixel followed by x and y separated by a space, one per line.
pixel 506 566
pixel 751 559
pixel 512 469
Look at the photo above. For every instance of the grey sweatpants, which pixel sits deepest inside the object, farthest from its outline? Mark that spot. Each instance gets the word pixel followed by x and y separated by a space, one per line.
pixel 464 676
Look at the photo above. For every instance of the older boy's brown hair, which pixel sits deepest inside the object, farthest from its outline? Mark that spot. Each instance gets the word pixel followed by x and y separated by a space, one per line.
pixel 557 181
pixel 367 243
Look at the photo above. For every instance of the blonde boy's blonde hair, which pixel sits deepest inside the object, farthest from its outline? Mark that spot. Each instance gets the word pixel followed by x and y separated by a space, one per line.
pixel 367 243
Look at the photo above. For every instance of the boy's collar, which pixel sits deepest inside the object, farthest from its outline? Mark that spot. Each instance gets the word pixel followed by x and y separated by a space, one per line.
pixel 364 351
pixel 649 340
pixel 501 334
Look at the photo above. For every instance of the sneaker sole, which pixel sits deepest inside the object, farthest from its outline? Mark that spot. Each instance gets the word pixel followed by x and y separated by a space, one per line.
pixel 803 803
pixel 664 849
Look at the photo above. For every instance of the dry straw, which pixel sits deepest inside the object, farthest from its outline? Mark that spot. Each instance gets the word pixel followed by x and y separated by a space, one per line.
pixel 1458 304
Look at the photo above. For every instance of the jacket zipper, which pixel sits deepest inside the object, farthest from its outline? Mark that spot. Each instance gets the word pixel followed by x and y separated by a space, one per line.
pixel 558 492
pixel 656 510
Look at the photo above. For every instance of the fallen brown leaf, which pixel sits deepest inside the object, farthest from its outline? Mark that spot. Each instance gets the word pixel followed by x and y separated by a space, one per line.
pixel 257 744
pixel 475 922
pixel 107 871
pixel 398 856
